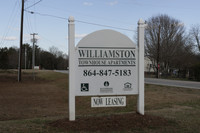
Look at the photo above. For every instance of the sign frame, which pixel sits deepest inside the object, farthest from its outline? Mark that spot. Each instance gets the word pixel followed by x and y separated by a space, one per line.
pixel 73 64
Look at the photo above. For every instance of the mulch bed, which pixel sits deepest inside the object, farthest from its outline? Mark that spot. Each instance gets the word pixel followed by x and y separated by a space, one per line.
pixel 122 122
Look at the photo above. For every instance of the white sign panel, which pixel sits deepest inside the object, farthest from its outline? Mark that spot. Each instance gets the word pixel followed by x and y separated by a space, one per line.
pixel 118 101
pixel 106 62
pixel 106 70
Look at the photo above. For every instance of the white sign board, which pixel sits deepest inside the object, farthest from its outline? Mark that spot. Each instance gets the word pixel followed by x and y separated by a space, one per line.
pixel 118 101
pixel 106 64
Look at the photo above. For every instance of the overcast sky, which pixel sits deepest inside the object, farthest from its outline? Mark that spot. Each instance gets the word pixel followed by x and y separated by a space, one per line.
pixel 49 18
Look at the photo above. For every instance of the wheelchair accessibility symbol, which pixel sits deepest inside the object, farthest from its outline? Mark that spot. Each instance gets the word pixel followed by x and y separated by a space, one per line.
pixel 84 87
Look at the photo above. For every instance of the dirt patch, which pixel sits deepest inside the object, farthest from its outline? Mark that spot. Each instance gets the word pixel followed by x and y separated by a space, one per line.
pixel 122 122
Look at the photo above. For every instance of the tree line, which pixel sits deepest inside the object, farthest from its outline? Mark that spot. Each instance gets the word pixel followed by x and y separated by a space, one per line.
pixel 52 59
pixel 172 49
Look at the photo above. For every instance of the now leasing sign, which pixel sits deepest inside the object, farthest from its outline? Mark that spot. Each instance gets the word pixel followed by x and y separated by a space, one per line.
pixel 106 66
pixel 108 101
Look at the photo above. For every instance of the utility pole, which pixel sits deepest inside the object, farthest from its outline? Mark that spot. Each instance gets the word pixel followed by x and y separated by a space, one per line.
pixel 25 56
pixel 158 53
pixel 33 55
pixel 21 41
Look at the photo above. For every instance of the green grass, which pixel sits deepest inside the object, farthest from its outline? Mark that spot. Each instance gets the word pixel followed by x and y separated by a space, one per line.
pixel 51 75
pixel 180 106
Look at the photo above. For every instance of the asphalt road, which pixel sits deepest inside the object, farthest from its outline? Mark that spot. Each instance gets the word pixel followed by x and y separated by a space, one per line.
pixel 175 83
pixel 61 71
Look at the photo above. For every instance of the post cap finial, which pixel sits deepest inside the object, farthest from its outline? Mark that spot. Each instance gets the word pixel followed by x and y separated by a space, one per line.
pixel 141 21
pixel 71 19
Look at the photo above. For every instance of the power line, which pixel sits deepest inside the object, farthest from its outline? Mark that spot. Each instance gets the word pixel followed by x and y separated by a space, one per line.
pixel 47 15
pixel 11 23
pixel 88 15
pixel 52 42
pixel 29 26
pixel 80 21
pixel 28 21
pixel 108 26
pixel 33 4
pixel 35 20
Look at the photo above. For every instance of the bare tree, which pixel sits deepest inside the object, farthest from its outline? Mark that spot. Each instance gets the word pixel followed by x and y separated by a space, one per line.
pixel 195 32
pixel 55 51
pixel 163 37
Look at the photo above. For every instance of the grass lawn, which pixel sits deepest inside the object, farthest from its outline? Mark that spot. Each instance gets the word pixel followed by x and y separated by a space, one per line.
pixel 33 105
